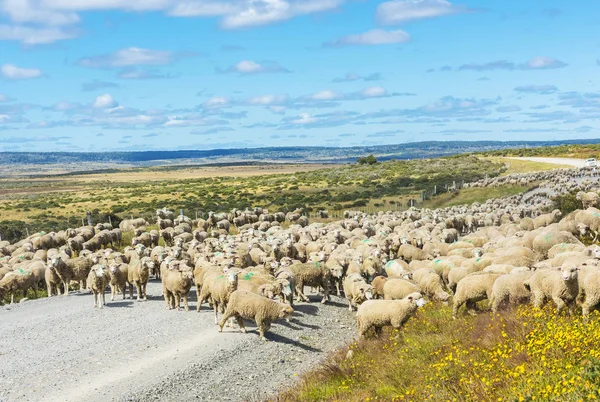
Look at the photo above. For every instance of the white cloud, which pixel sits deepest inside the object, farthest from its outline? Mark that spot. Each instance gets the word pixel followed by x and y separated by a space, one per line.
pixel 374 37
pixel 233 13
pixel 251 67
pixel 326 95
pixel 304 118
pixel 268 100
pixel 34 36
pixel 132 56
pixel 216 102
pixel 373 92
pixel 4 98
pixel 399 11
pixel 264 12
pixel 13 72
pixel 104 102
pixel 542 62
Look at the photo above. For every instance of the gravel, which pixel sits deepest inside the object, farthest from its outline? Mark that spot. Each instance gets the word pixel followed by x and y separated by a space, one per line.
pixel 63 349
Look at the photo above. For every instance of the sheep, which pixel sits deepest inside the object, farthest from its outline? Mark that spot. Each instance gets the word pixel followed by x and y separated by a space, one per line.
pixel 218 287
pixel 379 313
pixel 378 284
pixel 397 288
pixel 588 199
pixel 138 274
pixel 19 280
pixel 589 290
pixel 409 253
pixel 247 305
pixel 97 281
pixel 177 284
pixel 471 289
pixel 118 279
pixel 430 284
pixel 560 285
pixel 544 241
pixel 547 219
pixel 284 273
pixel 52 280
pixel 510 289
pixel 356 290
pixel 311 274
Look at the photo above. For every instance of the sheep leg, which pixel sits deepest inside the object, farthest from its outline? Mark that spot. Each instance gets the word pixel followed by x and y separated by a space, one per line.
pixel 325 293
pixel 185 302
pixel 95 300
pixel 131 291
pixel 144 291
pixel 176 301
pixel 261 329
pixel 103 298
pixel 138 289
pixel 538 299
pixel 49 287
pixel 215 305
pixel 12 297
pixel 240 322
pixel 301 295
pixel 455 307
pixel 112 292
pixel 560 304
pixel 167 301
pixel 589 304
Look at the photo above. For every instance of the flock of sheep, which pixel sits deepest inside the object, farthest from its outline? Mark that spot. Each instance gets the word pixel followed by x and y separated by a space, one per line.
pixel 386 265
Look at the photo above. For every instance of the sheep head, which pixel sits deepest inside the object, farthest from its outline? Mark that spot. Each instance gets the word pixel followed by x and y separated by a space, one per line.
pixel 286 311
pixel 569 273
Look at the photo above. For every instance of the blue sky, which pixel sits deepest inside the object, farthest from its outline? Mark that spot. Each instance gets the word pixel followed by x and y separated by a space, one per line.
pixel 100 75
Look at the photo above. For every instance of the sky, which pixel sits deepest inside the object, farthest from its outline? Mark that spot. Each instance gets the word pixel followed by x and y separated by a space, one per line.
pixel 104 75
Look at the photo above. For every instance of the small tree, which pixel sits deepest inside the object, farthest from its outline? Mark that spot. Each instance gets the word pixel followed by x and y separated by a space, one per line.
pixel 371 160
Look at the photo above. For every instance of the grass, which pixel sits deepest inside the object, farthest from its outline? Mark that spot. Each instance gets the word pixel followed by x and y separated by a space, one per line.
pixel 471 195
pixel 515 166
pixel 579 151
pixel 52 204
pixel 523 355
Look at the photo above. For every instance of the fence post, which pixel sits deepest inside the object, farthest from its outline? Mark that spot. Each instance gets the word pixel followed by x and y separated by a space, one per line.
pixel 27 230
pixel 82 222
pixel 109 220
pixel 88 214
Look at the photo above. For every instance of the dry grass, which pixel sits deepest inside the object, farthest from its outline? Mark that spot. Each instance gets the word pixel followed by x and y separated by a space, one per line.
pixel 524 166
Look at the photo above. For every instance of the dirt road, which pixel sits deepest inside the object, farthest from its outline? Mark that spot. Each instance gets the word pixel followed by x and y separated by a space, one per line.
pixel 61 349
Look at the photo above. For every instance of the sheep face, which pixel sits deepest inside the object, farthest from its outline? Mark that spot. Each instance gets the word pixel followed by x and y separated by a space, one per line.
pixel 286 312
pixel 569 273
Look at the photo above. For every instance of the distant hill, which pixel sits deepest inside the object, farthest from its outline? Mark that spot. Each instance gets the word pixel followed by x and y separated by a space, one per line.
pixel 411 150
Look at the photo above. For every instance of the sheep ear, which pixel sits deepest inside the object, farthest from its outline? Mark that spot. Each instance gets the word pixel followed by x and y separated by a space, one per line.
pixel 410 298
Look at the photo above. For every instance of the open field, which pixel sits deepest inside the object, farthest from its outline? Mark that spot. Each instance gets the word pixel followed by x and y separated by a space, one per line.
pixel 54 203
pixel 575 151
pixel 471 195
pixel 526 165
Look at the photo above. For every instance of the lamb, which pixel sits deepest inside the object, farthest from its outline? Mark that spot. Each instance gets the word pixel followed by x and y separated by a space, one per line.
pixel 398 289
pixel 311 274
pixel 560 285
pixel 177 284
pixel 473 288
pixel 356 290
pixel 510 289
pixel 247 305
pixel 53 281
pixel 97 281
pixel 379 313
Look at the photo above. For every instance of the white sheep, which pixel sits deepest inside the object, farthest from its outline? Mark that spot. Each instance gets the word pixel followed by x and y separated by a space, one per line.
pixel 357 291
pixel 380 313
pixel 560 285
pixel 471 289
pixel 247 305
pixel 97 281
pixel 510 289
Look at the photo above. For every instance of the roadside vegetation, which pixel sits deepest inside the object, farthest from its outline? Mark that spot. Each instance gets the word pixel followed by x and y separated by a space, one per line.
pixel 527 355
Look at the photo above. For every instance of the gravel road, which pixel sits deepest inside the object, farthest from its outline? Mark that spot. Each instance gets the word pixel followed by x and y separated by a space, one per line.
pixel 62 349
pixel 579 163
